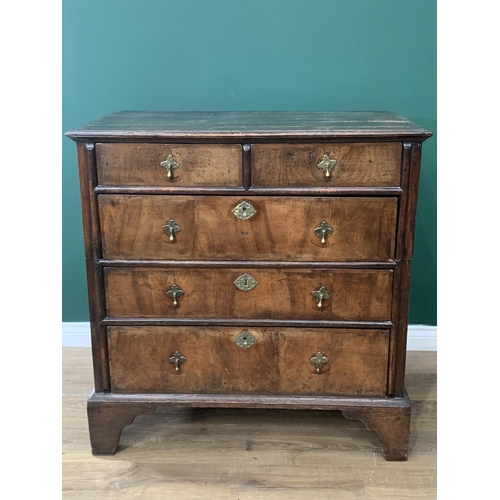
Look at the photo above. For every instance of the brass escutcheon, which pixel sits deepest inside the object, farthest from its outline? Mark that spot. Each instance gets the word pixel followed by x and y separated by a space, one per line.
pixel 245 339
pixel 323 231
pixel 321 294
pixel 171 227
pixel 170 165
pixel 177 359
pixel 245 282
pixel 318 361
pixel 244 210
pixel 327 164
pixel 174 292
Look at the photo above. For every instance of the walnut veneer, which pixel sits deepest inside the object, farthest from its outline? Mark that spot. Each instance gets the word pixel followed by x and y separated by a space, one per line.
pixel 257 259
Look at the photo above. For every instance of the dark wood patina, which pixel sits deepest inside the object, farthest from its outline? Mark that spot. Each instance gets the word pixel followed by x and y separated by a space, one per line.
pixel 357 172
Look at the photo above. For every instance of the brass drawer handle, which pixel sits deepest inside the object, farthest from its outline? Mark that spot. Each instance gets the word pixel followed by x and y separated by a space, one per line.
pixel 323 231
pixel 170 165
pixel 320 295
pixel 327 165
pixel 318 361
pixel 174 292
pixel 177 359
pixel 171 228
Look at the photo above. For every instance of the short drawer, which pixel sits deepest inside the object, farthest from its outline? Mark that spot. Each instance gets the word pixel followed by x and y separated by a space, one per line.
pixel 324 165
pixel 229 359
pixel 275 228
pixel 302 294
pixel 185 165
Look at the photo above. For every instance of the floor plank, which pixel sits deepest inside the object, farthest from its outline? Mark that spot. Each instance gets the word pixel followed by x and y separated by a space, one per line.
pixel 189 453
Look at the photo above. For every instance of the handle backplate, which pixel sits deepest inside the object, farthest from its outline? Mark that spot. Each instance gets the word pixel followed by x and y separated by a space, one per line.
pixel 172 228
pixel 177 359
pixel 323 231
pixel 320 295
pixel 170 165
pixel 174 292
pixel 318 361
pixel 327 164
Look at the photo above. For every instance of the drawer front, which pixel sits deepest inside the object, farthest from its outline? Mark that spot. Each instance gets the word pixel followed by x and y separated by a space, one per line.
pixel 351 295
pixel 279 361
pixel 349 165
pixel 357 361
pixel 139 360
pixel 196 165
pixel 282 228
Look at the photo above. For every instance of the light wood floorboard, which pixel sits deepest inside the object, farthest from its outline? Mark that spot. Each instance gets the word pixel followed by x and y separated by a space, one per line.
pixel 185 453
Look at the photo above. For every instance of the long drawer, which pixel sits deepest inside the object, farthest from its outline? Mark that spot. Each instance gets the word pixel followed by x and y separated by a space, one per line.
pixel 306 294
pixel 218 360
pixel 253 228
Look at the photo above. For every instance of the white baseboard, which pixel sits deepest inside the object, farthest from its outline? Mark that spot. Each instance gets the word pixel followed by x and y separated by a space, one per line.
pixel 76 334
pixel 420 337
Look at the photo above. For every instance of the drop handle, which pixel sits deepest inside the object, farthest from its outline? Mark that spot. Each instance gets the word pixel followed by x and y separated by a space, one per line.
pixel 174 292
pixel 320 295
pixel 327 164
pixel 170 165
pixel 177 359
pixel 172 228
pixel 318 361
pixel 323 231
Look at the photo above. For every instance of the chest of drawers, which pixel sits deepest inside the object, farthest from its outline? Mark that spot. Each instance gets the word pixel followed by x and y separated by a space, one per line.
pixel 257 259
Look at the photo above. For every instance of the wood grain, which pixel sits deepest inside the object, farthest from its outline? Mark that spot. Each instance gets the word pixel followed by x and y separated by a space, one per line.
pixel 400 330
pixel 295 165
pixel 392 427
pixel 87 178
pixel 245 264
pixel 355 295
pixel 370 202
pixel 163 126
pixel 215 364
pixel 282 228
pixel 408 230
pixel 211 453
pixel 97 310
pixel 139 360
pixel 106 422
pixel 245 322
pixel 201 165
pixel 357 361
pixel 92 243
pixel 279 191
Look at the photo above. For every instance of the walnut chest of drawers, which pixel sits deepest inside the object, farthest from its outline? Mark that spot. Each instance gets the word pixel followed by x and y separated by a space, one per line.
pixel 256 259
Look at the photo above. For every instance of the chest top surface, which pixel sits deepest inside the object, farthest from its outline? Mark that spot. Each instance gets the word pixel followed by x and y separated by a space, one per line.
pixel 237 125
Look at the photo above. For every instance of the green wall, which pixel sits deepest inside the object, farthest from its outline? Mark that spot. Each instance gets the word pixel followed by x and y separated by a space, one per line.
pixel 249 55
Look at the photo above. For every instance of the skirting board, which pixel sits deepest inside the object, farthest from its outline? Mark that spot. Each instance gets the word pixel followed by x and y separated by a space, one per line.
pixel 420 337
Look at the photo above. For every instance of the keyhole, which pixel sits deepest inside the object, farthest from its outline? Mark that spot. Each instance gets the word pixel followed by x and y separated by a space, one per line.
pixel 244 209
pixel 246 281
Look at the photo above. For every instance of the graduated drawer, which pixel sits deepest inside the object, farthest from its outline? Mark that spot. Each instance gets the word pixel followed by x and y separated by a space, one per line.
pixel 349 165
pixel 282 228
pixel 198 165
pixel 354 295
pixel 142 359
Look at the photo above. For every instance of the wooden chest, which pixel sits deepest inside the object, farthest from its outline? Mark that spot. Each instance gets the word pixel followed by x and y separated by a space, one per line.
pixel 257 259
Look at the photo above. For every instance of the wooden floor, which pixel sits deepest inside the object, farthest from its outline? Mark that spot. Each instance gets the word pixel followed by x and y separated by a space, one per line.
pixel 232 454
